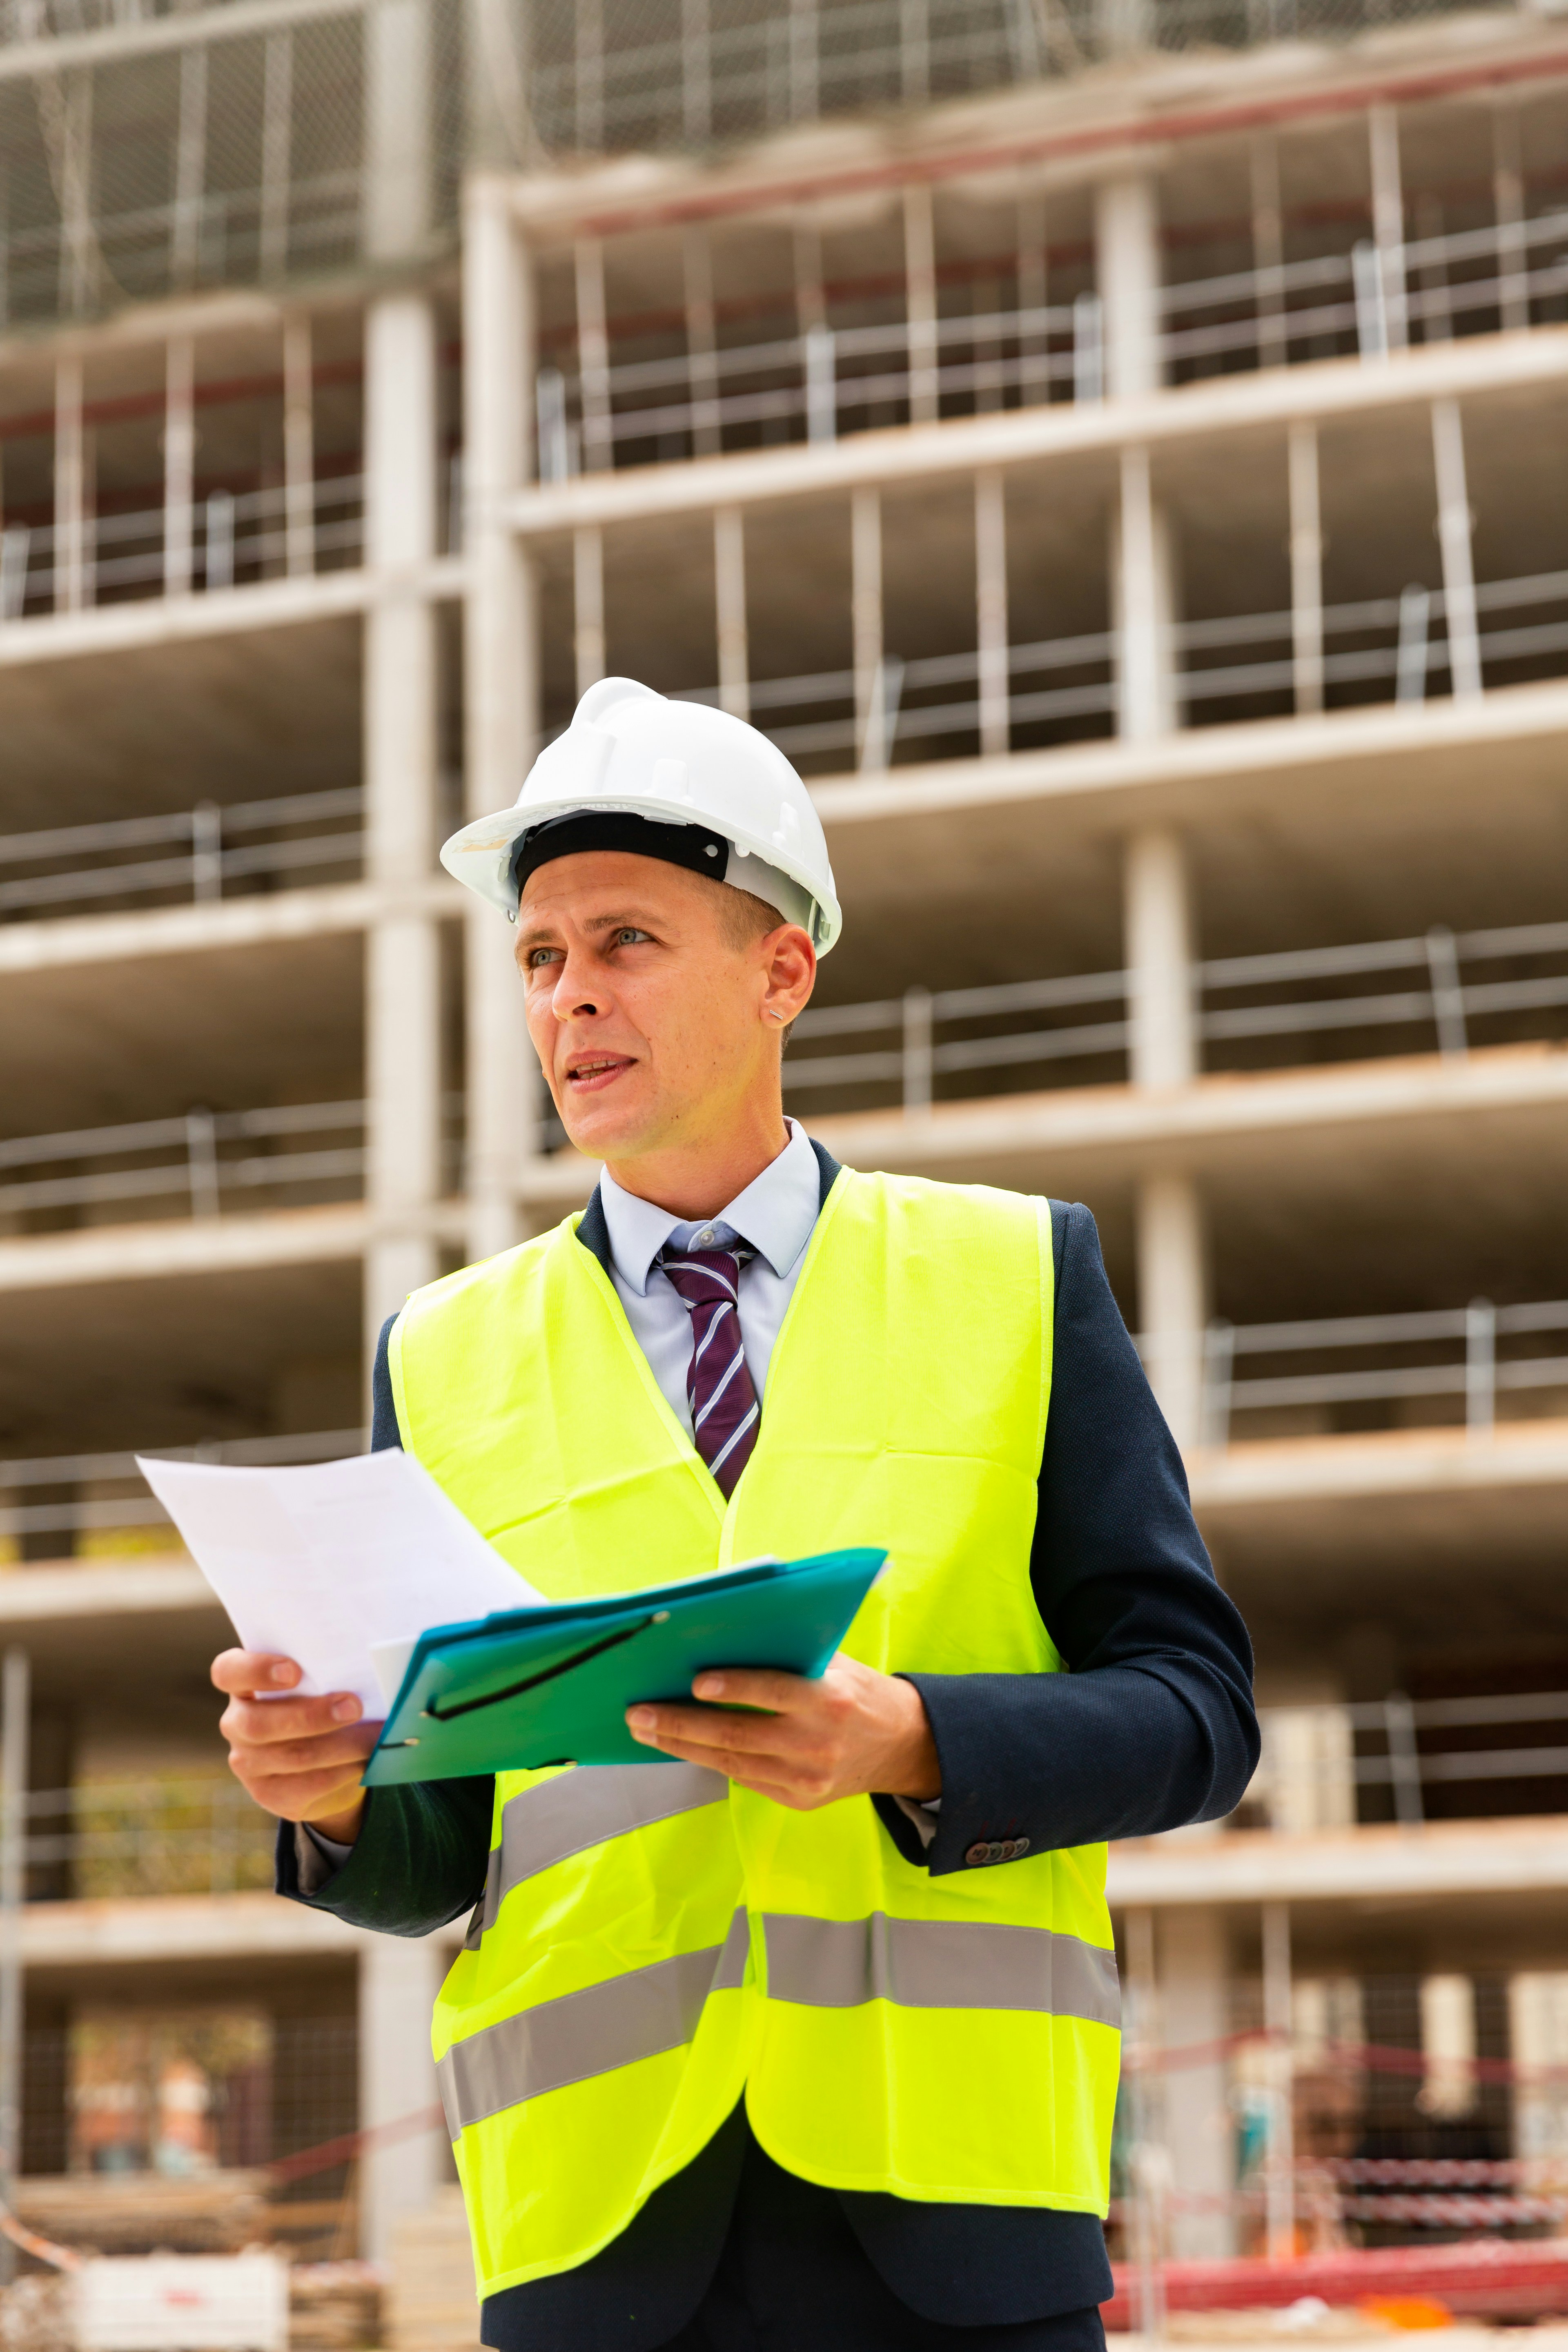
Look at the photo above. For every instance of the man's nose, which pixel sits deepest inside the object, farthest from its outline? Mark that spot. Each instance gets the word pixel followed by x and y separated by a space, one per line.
pixel 574 995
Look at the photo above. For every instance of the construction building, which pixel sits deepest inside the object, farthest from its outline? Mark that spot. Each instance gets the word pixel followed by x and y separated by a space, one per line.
pixel 1116 448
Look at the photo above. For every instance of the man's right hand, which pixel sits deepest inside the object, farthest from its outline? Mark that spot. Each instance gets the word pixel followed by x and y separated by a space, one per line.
pixel 299 1757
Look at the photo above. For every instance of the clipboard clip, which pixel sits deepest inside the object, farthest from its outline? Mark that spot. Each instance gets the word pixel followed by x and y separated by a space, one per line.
pixel 549 1674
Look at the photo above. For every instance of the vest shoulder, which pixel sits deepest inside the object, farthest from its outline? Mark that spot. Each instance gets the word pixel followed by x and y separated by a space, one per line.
pixel 925 1198
pixel 489 1278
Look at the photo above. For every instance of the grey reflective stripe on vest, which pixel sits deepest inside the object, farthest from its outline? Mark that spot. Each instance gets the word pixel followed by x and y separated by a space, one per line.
pixel 558 1818
pixel 938 1963
pixel 636 2015
pixel 734 1953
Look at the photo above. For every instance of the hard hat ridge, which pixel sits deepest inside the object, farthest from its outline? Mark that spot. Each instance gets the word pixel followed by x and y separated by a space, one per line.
pixel 632 753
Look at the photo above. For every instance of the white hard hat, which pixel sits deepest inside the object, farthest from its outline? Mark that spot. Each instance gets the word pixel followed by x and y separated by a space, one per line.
pixel 630 753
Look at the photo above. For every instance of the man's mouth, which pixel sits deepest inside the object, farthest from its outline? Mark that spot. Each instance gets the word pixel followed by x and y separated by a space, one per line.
pixel 593 1071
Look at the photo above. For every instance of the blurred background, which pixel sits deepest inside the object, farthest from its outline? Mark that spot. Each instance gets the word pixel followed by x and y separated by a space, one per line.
pixel 1116 448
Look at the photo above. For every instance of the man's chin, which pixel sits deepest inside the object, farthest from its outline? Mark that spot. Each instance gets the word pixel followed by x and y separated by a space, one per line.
pixel 606 1130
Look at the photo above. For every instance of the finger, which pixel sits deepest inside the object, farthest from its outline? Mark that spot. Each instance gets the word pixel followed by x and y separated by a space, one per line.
pixel 305 1796
pixel 342 1750
pixel 780 1693
pixel 756 1735
pixel 261 1723
pixel 802 1790
pixel 245 1672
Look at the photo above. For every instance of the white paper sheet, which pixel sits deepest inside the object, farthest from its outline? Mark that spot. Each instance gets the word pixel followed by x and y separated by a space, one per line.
pixel 323 1563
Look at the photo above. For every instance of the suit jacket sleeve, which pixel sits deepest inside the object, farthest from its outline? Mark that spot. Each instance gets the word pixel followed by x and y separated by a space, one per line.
pixel 1153 1724
pixel 420 1858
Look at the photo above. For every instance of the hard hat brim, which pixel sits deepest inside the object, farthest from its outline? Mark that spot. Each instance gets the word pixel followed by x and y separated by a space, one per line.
pixel 479 855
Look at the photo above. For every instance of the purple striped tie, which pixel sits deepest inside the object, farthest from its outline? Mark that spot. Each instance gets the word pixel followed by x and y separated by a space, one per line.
pixel 725 1408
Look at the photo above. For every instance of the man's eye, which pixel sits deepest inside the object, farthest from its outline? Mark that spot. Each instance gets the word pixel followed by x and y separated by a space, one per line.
pixel 539 957
pixel 628 935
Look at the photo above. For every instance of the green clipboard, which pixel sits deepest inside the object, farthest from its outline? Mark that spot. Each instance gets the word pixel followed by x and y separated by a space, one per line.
pixel 528 1687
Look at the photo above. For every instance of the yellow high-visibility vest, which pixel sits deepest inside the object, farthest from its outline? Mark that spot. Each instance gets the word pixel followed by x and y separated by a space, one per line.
pixel 652 1941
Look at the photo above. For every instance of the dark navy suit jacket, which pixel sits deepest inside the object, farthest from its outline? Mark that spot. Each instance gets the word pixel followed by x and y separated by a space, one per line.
pixel 1151 1726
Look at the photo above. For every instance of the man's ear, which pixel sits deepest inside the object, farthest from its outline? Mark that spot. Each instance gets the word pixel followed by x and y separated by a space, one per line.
pixel 790 974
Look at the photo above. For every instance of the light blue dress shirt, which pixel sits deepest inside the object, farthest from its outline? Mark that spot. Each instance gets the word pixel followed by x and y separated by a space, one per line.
pixel 775 1215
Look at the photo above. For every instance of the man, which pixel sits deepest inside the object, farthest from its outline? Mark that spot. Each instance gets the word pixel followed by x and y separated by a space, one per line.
pixel 807 2038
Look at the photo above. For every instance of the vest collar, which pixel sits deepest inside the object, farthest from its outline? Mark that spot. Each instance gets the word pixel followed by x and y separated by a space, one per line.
pixel 595 1233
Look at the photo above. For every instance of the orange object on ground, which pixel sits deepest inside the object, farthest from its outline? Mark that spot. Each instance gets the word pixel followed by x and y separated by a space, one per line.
pixel 1411 2311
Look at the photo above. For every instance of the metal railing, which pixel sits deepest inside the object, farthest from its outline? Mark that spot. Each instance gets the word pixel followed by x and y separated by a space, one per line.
pixel 1316 1760
pixel 221 236
pixel 101 1839
pixel 604 82
pixel 218 848
pixel 1375 649
pixel 828 381
pixel 1369 300
pixel 596 87
pixel 232 537
pixel 202 1161
pixel 92 1494
pixel 1460 1356
pixel 817 386
pixel 1438 999
pixel 196 1159
pixel 36 20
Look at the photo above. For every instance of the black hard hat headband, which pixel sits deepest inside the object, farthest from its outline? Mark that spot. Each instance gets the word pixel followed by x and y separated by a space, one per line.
pixel 694 846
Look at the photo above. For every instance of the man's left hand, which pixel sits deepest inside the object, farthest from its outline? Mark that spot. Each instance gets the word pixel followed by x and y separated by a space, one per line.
pixel 853 1733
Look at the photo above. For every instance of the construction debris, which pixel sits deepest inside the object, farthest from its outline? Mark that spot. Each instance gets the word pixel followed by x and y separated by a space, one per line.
pixel 431 2305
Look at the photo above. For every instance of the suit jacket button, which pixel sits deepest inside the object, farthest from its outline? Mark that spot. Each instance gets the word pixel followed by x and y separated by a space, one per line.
pixel 995 1851
pixel 1009 1849
pixel 978 1853
pixel 1020 1846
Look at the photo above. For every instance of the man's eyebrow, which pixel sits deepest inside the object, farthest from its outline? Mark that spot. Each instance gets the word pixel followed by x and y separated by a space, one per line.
pixel 530 932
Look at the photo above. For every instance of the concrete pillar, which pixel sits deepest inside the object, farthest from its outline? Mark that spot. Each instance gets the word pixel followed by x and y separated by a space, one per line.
pixel 501 690
pixel 190 167
pixel 1447 2047
pixel 399 1979
pixel 1507 204
pixel 1193 2009
pixel 402 1015
pixel 1173 1289
pixel 1127 266
pixel 1388 222
pixel 1158 932
pixel 179 466
pixel 1538 2044
pixel 588 606
pixel 701 342
pixel 593 357
pixel 995 683
pixel 1281 2182
pixel 70 490
pixel 1144 607
pixel 1268 249
pixel 398 80
pixel 866 612
pixel 299 448
pixel 919 274
pixel 1173 1298
pixel 1306 571
pixel 730 604
pixel 1456 525
pixel 277 127
pixel 1162 1004
pixel 402 1020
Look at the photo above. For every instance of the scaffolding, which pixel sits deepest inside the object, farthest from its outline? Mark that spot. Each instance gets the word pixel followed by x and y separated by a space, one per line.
pixel 147 152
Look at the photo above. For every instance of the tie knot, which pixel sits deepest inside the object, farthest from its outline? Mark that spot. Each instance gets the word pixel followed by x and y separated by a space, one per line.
pixel 706 1277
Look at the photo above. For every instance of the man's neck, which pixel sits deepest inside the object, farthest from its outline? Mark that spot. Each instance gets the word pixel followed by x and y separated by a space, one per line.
pixel 699 1180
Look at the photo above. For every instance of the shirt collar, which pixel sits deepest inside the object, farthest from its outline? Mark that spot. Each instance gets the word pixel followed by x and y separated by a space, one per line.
pixel 775 1213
